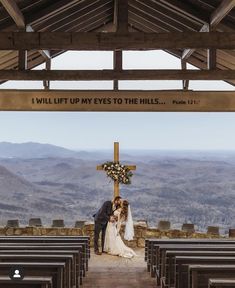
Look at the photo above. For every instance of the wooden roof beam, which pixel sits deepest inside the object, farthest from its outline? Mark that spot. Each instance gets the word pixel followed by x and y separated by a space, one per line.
pixel 45 53
pixel 188 52
pixel 90 75
pixel 15 13
pixel 218 15
pixel 113 41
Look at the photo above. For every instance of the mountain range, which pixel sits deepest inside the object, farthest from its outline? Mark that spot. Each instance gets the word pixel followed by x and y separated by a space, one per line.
pixel 41 180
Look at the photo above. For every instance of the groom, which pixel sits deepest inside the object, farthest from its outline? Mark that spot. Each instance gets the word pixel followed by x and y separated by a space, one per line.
pixel 102 217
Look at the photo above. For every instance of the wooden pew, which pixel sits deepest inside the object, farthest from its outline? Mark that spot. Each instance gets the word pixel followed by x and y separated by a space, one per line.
pixel 170 268
pixel 152 245
pixel 199 275
pixel 162 249
pixel 79 268
pixel 221 283
pixel 82 243
pixel 27 282
pixel 82 240
pixel 67 260
pixel 49 269
pixel 72 253
pixel 182 263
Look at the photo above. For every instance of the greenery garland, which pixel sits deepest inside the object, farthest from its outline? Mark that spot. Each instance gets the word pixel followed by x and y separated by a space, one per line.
pixel 118 172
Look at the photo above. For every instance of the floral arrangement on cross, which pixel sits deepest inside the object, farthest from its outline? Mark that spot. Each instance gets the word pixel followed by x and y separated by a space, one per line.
pixel 120 173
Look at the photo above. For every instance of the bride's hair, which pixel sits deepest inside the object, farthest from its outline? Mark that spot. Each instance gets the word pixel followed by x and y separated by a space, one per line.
pixel 124 211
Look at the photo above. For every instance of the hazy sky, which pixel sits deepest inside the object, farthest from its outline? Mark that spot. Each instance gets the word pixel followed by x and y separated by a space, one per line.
pixel 83 130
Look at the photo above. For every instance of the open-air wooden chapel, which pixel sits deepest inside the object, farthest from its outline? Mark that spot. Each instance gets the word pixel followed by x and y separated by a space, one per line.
pixel 197 32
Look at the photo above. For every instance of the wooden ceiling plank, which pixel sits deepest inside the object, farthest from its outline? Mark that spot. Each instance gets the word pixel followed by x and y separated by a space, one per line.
pixel 80 18
pixel 144 22
pixel 93 23
pixel 141 27
pixel 157 21
pixel 186 22
pixel 158 13
pixel 44 14
pixel 201 55
pixel 14 11
pixel 187 10
pixel 69 16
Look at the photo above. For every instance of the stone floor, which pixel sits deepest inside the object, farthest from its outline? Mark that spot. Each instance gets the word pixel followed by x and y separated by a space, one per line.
pixel 115 272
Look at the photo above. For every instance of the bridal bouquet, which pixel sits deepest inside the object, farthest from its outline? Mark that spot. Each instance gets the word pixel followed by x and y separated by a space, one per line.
pixel 118 172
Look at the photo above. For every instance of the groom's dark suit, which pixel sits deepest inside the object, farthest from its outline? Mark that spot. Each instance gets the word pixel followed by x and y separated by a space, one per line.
pixel 101 220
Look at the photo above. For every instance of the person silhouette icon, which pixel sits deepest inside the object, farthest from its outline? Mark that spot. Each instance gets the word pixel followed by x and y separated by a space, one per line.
pixel 17 274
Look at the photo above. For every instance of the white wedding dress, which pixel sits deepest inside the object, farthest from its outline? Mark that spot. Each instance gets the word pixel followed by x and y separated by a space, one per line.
pixel 113 242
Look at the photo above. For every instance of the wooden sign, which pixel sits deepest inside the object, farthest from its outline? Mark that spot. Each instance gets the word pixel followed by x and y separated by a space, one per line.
pixel 142 101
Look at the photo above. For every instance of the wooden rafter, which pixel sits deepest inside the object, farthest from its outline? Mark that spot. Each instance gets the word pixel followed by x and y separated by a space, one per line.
pixel 46 13
pixel 216 17
pixel 112 41
pixel 15 13
pixel 187 10
pixel 90 75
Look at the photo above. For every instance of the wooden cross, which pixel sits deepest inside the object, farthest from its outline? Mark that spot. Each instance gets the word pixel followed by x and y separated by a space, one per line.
pixel 116 160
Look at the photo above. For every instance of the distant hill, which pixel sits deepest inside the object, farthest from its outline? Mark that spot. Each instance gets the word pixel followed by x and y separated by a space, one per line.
pixel 178 188
pixel 42 180
pixel 32 150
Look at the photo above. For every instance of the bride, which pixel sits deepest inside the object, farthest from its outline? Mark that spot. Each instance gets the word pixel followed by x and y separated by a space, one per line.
pixel 113 242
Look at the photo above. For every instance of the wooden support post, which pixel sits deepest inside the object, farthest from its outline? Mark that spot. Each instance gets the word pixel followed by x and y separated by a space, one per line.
pixel 211 59
pixel 117 61
pixel 46 83
pixel 184 82
pixel 22 59
pixel 122 15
